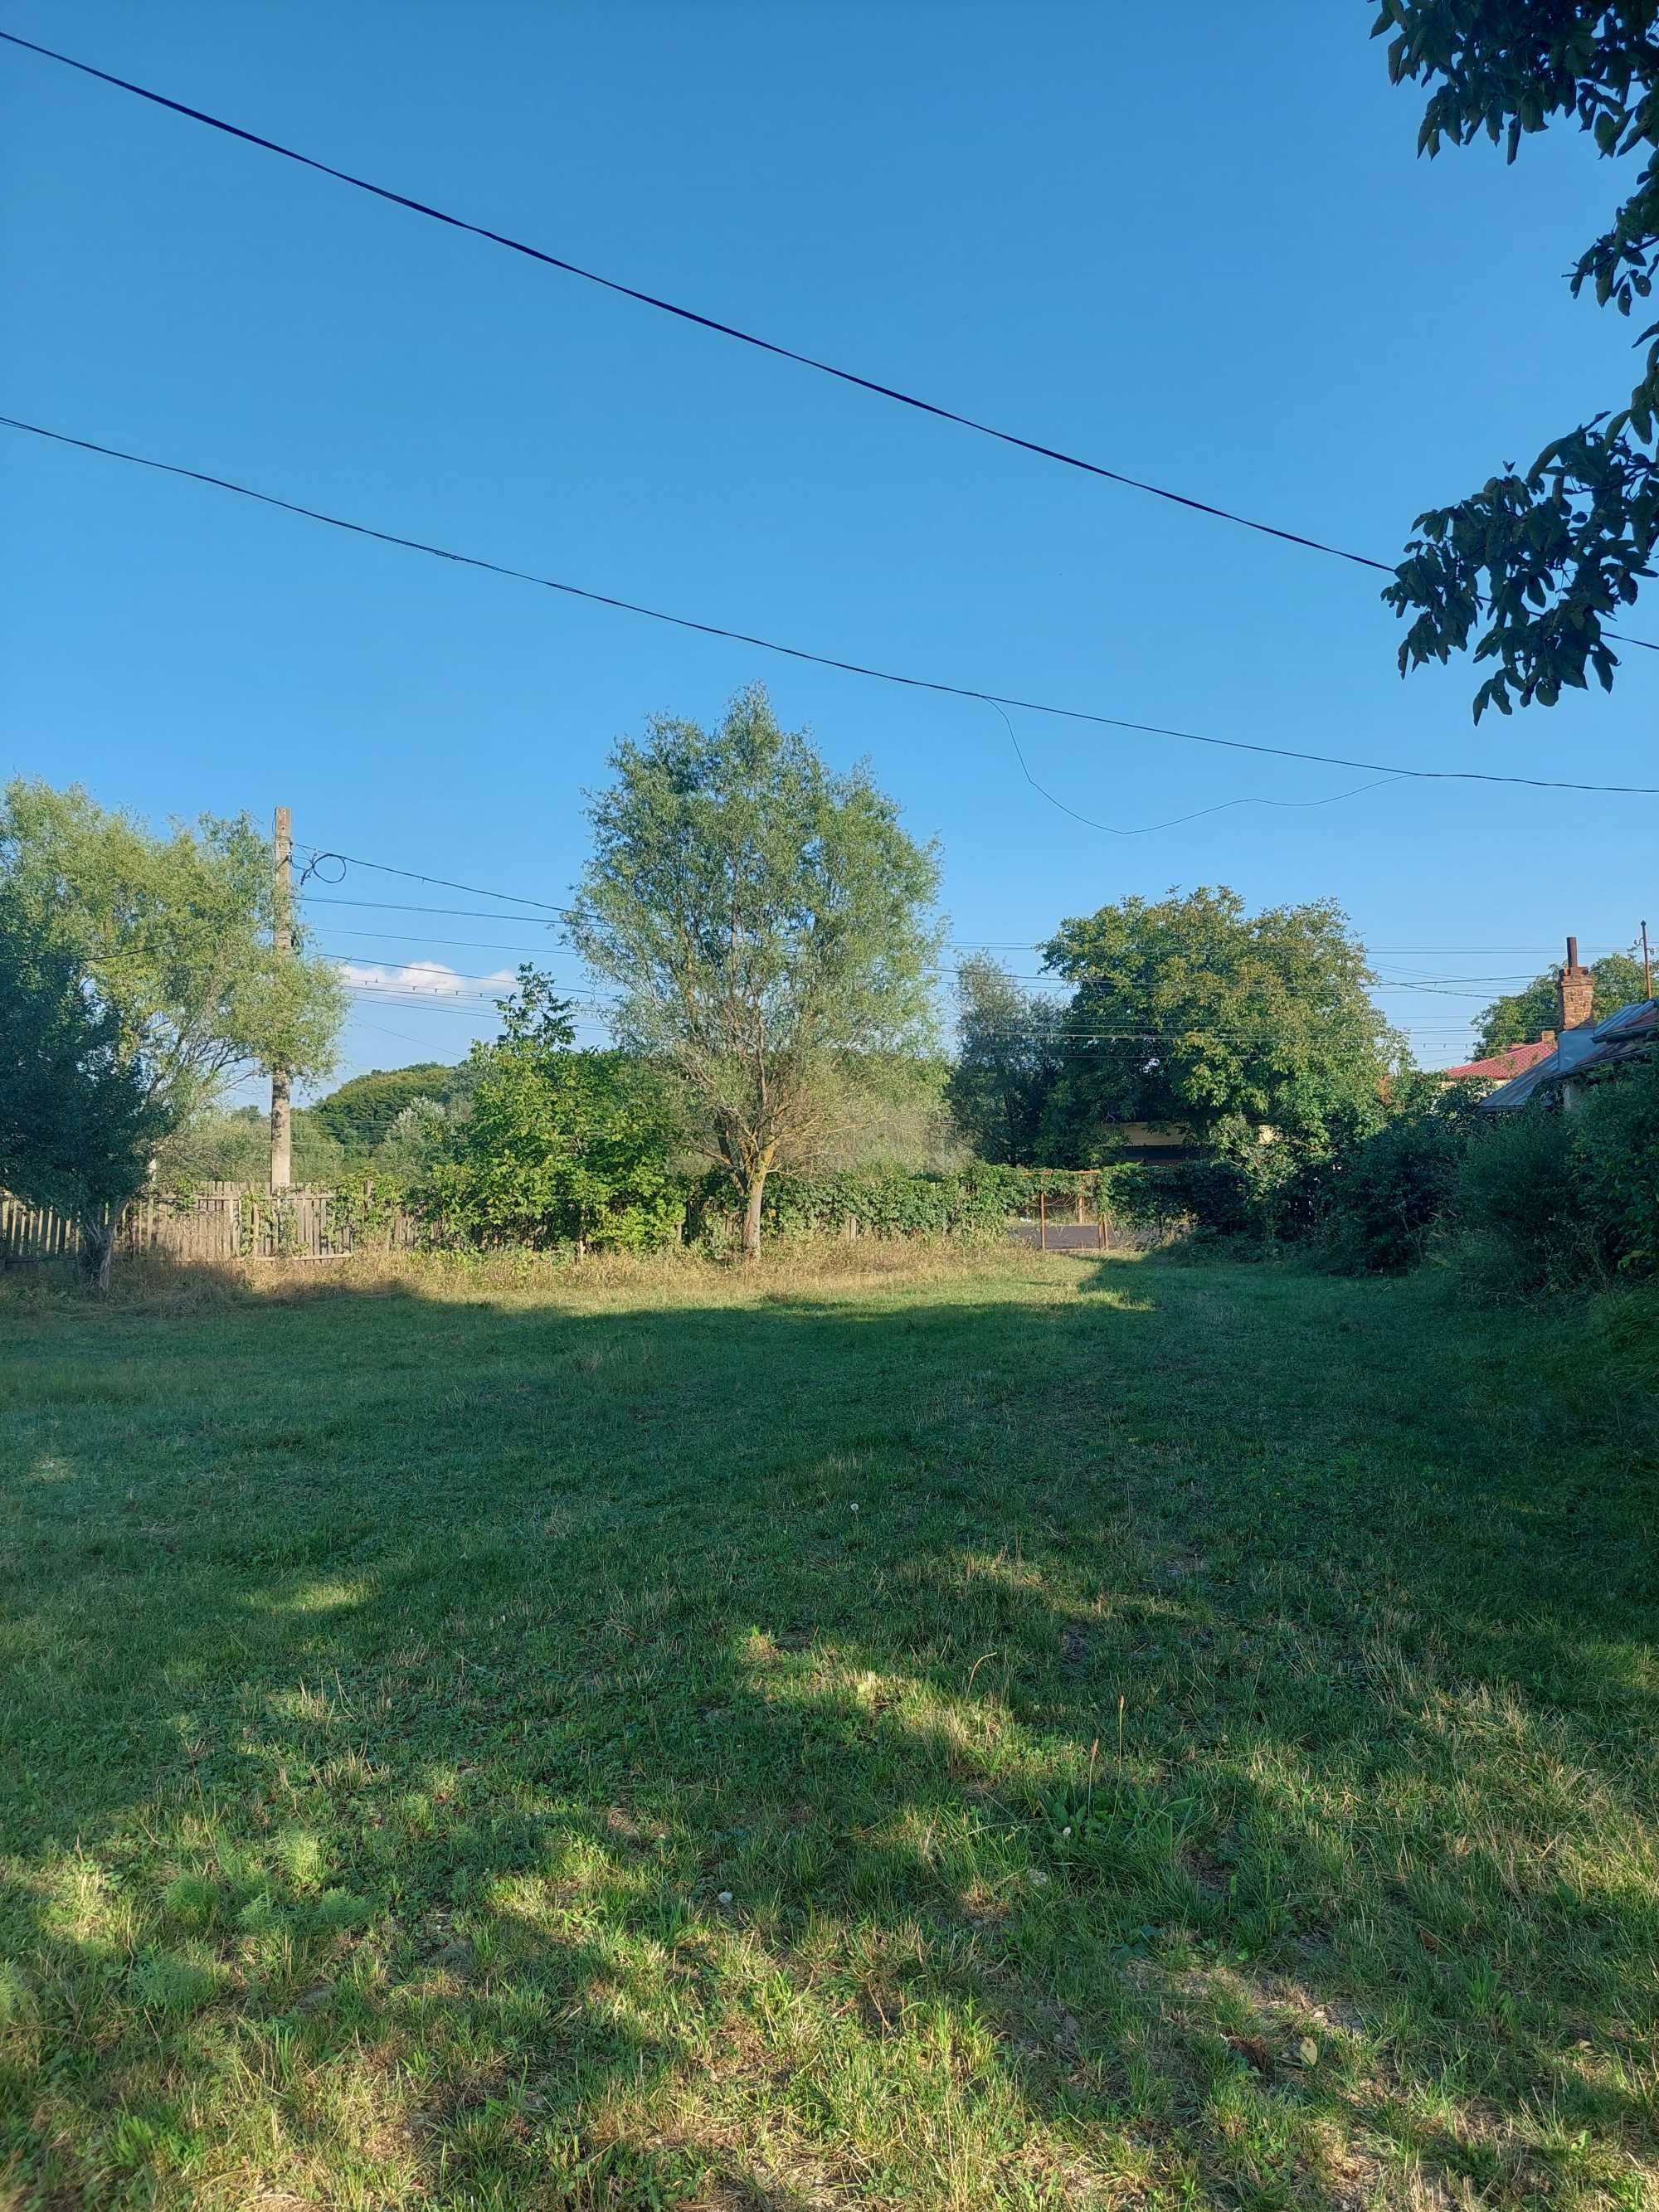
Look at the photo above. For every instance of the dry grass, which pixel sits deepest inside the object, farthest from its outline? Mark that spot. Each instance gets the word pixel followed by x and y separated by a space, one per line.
pixel 154 1284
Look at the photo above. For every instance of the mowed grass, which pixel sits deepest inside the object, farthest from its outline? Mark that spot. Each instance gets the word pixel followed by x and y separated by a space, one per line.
pixel 1038 1731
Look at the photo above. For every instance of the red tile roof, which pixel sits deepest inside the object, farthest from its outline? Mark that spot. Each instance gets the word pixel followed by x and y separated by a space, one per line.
pixel 1503 1066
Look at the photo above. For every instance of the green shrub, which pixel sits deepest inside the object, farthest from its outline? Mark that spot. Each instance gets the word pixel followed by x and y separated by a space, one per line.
pixel 1248 1199
pixel 1615 1143
pixel 1519 1206
pixel 976 1202
pixel 421 1136
pixel 561 1148
pixel 1548 1199
pixel 1376 1206
pixel 369 1204
pixel 1222 1197
pixel 890 1202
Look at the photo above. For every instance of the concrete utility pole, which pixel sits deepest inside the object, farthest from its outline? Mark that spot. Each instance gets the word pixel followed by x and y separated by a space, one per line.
pixel 282 1113
pixel 1647 965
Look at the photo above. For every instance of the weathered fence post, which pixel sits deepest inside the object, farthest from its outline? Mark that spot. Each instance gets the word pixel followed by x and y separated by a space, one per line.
pixel 1042 1221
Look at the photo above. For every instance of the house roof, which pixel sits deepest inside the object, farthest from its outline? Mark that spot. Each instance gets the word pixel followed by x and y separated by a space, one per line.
pixel 1629 1022
pixel 1631 1034
pixel 1500 1067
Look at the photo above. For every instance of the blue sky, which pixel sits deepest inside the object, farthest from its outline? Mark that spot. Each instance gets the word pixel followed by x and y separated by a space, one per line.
pixel 1215 262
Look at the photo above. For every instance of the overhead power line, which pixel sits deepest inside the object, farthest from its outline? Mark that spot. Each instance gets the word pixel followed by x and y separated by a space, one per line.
pixel 411 976
pixel 450 944
pixel 713 323
pixel 954 945
pixel 320 854
pixel 1382 769
pixel 394 906
pixel 882 390
pixel 1175 820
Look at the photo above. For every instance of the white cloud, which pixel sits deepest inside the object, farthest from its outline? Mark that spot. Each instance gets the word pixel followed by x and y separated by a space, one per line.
pixel 430 977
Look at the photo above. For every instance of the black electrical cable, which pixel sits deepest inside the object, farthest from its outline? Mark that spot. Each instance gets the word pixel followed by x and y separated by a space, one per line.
pixel 1381 768
pixel 702 321
pixel 690 314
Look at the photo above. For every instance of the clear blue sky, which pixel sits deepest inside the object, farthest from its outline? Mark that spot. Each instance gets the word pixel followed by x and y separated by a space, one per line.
pixel 1212 260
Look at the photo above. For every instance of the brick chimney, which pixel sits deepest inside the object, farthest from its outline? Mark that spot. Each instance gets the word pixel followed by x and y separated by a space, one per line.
pixel 1575 992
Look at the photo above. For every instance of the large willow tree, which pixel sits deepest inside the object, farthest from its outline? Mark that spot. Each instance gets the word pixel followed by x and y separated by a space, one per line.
pixel 767 922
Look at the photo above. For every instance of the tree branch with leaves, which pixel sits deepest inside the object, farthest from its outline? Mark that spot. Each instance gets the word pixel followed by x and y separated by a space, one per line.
pixel 1534 564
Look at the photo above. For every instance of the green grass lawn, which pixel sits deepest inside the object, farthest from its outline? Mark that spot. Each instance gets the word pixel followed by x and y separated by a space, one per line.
pixel 1044 1731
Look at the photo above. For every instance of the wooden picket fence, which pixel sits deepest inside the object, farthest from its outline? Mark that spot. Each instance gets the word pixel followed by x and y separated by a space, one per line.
pixel 221 1221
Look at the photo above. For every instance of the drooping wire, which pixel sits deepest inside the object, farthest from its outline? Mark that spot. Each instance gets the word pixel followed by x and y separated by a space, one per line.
pixel 693 315
pixel 1147 828
pixel 1382 770
pixel 414 876
pixel 722 329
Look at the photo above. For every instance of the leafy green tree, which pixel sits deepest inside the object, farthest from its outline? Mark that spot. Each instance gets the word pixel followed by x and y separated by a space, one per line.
pixel 765 921
pixel 234 1146
pixel 888 1110
pixel 360 1113
pixel 1189 1009
pixel 1525 1015
pixel 1537 561
pixel 560 1146
pixel 422 1136
pixel 175 934
pixel 1005 1068
pixel 79 1116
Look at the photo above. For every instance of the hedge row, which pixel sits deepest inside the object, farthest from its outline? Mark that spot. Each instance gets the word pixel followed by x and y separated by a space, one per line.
pixel 976 1202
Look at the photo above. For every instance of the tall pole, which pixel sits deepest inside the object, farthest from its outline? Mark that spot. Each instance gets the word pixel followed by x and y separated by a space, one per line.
pixel 1647 965
pixel 282 1112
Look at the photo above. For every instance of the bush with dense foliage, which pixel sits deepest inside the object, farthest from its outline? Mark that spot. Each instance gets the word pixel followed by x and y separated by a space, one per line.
pixel 1529 1201
pixel 1376 1204
pixel 1548 1199
pixel 1518 1206
pixel 978 1200
pixel 79 1115
pixel 420 1137
pixel 1615 1146
pixel 892 1203
pixel 561 1147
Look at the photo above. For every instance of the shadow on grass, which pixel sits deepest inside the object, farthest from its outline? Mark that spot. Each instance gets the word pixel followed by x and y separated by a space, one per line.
pixel 1101 1733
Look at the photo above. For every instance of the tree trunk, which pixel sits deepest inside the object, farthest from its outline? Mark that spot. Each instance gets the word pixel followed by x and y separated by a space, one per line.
pixel 751 1213
pixel 98 1246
